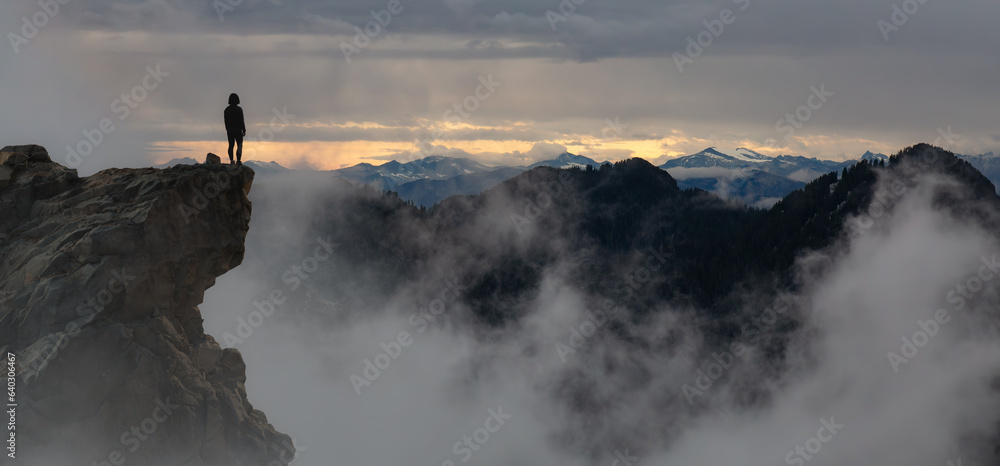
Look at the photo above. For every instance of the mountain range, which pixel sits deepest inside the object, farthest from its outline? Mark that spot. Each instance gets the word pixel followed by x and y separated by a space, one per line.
pixel 741 175
pixel 425 181
pixel 988 164
pixel 751 177
pixel 797 168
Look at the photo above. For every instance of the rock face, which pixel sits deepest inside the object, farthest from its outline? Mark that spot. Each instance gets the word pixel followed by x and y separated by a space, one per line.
pixel 100 279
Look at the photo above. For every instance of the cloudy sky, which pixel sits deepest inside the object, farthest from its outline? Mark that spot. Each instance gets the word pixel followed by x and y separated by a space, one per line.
pixel 506 82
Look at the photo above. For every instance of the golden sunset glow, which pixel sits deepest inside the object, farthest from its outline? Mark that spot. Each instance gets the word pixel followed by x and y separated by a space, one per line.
pixel 320 155
pixel 332 155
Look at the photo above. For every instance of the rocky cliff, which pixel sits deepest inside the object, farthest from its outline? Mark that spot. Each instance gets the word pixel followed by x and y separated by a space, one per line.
pixel 100 279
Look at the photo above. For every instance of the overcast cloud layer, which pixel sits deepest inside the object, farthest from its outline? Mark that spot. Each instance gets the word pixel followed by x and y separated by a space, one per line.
pixel 563 79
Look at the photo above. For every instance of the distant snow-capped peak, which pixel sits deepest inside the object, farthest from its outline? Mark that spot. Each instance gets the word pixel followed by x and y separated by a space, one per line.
pixel 713 157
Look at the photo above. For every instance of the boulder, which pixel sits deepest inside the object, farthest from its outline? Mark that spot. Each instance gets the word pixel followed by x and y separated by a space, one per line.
pixel 14 156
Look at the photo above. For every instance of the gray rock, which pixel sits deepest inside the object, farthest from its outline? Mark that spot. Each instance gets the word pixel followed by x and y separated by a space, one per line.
pixel 19 155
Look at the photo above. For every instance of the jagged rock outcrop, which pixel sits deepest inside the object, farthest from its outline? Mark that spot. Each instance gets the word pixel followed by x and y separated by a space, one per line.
pixel 100 279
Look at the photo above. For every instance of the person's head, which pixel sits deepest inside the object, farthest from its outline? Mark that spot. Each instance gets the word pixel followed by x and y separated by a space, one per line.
pixel 234 99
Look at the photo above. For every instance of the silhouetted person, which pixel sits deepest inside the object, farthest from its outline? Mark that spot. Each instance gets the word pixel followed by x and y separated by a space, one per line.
pixel 235 128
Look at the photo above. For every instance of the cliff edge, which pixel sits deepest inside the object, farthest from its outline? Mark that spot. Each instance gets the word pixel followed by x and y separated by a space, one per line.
pixel 100 281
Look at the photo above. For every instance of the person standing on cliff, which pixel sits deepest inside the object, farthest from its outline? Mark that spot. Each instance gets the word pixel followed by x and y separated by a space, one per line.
pixel 236 128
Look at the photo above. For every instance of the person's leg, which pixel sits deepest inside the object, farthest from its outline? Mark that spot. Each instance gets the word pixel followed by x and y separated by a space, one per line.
pixel 239 150
pixel 232 140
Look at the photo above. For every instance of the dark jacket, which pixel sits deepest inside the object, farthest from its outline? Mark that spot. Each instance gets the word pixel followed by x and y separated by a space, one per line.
pixel 234 121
